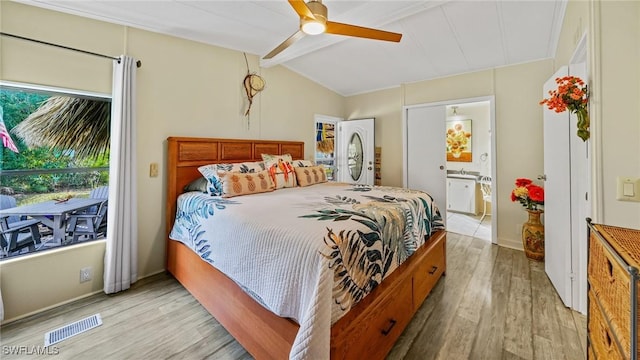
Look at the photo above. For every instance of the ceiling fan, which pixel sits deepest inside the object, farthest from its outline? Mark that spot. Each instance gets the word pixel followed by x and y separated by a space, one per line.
pixel 313 21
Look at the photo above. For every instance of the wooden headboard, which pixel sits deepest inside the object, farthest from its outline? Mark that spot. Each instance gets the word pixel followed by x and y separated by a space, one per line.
pixel 186 154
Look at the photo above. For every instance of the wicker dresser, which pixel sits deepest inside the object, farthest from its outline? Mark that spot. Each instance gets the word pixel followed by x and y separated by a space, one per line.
pixel 614 302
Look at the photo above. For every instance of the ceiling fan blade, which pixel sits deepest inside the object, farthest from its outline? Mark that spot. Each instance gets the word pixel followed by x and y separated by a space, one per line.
pixel 285 44
pixel 363 32
pixel 302 9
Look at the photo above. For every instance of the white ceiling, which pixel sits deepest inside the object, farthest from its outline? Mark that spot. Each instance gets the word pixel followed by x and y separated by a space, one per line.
pixel 440 38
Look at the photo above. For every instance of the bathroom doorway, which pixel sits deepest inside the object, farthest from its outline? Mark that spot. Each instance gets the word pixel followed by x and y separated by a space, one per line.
pixel 469 170
pixel 452 174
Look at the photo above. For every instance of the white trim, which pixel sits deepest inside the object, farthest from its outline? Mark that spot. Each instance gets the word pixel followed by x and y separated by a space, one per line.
pixel 319 118
pixel 580 53
pixel 405 155
pixel 326 118
pixel 597 161
pixel 579 235
pixel 558 17
pixel 51 251
pixel 55 90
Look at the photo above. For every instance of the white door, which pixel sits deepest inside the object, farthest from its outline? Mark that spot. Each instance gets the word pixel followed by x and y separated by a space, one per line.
pixel 425 152
pixel 557 187
pixel 356 151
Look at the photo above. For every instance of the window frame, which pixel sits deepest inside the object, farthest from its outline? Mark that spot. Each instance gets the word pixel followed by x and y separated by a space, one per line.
pixel 53 91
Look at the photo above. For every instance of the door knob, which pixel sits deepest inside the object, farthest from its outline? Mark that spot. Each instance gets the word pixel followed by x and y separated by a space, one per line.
pixel 542 177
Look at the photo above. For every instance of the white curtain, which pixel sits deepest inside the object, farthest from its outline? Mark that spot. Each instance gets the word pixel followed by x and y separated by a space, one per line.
pixel 1 307
pixel 121 257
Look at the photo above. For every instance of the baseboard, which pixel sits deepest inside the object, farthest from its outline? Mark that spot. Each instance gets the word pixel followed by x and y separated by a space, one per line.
pixel 7 321
pixel 511 244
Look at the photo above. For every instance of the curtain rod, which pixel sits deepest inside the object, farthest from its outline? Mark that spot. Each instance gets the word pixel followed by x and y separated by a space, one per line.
pixel 138 63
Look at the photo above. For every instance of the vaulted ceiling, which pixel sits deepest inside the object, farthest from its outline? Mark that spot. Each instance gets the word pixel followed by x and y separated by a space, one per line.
pixel 440 38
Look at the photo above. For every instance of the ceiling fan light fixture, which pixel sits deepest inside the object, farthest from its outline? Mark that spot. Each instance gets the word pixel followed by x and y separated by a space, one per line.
pixel 312 27
pixel 316 24
pixel 313 21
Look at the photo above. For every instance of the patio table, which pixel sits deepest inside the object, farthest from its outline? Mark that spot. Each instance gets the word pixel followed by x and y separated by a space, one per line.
pixel 43 212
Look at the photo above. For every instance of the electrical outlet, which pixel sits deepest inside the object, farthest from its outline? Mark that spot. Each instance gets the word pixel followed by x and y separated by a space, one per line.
pixel 85 274
pixel 153 170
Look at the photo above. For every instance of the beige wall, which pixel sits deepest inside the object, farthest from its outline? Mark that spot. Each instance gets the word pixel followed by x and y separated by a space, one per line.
pixel 616 106
pixel 184 89
pixel 518 132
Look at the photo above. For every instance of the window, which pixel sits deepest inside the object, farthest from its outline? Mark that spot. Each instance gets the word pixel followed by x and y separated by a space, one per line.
pixel 54 168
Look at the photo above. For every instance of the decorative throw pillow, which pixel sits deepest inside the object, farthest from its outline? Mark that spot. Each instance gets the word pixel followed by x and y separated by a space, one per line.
pixel 210 172
pixel 199 184
pixel 237 183
pixel 280 170
pixel 310 175
pixel 302 163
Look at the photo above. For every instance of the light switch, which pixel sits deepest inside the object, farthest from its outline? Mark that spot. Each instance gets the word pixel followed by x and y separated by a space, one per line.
pixel 628 189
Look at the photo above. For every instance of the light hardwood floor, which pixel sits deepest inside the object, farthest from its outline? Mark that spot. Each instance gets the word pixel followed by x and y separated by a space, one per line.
pixel 493 303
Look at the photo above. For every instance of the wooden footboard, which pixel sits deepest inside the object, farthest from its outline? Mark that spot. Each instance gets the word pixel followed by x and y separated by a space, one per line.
pixel 369 330
pixel 263 334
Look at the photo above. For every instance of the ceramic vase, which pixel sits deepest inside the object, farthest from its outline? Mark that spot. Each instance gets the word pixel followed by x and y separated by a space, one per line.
pixel 533 236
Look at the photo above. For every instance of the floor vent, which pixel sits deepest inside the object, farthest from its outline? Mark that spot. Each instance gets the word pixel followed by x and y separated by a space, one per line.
pixel 67 331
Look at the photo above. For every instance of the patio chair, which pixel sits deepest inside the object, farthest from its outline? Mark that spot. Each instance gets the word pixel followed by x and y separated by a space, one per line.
pixel 485 187
pixel 101 192
pixel 17 233
pixel 87 224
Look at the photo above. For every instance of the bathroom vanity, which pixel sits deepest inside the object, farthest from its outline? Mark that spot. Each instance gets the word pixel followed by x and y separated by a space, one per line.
pixel 463 192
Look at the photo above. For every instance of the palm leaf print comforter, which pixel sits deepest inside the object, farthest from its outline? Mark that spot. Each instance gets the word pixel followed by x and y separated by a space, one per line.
pixel 308 253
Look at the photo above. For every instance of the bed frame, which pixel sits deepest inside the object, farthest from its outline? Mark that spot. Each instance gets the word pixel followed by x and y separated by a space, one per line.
pixel 367 331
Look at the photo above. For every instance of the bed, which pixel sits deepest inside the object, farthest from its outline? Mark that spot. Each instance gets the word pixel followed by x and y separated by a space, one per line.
pixel 355 324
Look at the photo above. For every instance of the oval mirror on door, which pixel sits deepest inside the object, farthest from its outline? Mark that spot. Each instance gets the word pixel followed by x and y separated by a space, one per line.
pixel 355 156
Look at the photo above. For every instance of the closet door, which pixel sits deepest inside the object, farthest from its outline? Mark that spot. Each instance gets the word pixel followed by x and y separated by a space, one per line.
pixel 426 161
pixel 557 187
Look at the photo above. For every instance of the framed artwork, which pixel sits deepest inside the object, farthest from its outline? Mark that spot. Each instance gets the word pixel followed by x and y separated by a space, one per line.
pixel 459 140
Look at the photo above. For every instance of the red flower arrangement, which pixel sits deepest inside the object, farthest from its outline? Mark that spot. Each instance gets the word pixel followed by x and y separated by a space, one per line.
pixel 572 94
pixel 528 194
